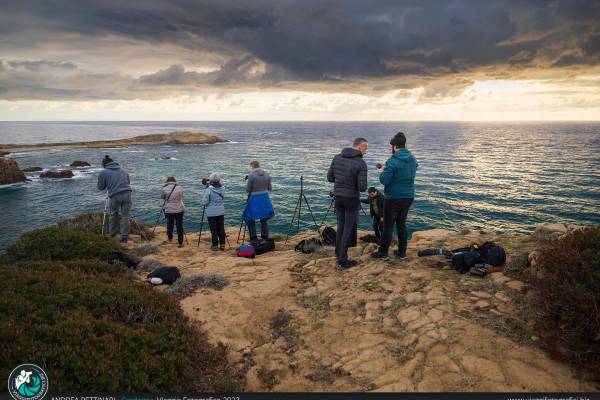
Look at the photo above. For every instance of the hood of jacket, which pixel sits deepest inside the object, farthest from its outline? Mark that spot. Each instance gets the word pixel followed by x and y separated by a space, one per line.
pixel 112 165
pixel 216 189
pixel 349 152
pixel 403 155
pixel 258 171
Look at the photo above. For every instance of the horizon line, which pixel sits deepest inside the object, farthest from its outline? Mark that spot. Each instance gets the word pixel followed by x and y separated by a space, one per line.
pixel 290 120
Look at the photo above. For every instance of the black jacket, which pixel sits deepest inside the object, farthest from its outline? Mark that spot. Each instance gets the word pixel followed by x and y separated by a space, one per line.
pixel 378 200
pixel 348 172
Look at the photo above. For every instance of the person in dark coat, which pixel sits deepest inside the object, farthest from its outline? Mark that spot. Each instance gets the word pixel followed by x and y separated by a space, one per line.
pixel 375 202
pixel 348 172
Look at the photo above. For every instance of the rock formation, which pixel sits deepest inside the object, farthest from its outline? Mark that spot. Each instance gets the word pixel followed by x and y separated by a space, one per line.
pixel 32 169
pixel 80 164
pixel 172 138
pixel 67 173
pixel 10 172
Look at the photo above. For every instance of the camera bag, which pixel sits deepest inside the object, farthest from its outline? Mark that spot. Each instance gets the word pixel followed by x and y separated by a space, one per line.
pixel 308 246
pixel 329 236
pixel 246 250
pixel 168 274
pixel 262 246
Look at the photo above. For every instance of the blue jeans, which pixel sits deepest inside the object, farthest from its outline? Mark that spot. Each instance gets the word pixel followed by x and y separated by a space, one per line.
pixel 120 202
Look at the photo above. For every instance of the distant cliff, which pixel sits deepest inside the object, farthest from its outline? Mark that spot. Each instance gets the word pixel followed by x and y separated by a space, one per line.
pixel 161 138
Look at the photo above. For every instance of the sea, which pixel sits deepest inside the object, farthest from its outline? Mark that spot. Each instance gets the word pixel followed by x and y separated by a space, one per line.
pixel 503 177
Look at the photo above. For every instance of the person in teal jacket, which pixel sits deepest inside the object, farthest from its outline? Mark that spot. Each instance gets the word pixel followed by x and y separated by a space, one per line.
pixel 398 179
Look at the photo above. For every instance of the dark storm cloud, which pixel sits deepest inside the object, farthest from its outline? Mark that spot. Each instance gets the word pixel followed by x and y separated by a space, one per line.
pixel 316 41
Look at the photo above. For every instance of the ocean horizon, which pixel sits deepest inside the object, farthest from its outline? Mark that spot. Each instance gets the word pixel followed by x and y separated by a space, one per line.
pixel 494 176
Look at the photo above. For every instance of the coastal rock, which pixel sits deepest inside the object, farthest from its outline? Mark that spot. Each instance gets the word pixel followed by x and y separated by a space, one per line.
pixel 67 173
pixel 80 163
pixel 32 169
pixel 10 172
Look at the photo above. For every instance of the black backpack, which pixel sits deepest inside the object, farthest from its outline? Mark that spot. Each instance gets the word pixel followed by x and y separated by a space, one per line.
pixel 168 274
pixel 262 246
pixel 329 236
pixel 308 246
pixel 465 258
pixel 117 256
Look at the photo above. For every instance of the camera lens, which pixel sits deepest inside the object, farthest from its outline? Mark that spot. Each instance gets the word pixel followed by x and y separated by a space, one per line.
pixel 378 165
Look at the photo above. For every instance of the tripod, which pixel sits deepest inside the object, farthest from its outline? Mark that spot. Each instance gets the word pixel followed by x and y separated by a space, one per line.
pixel 104 213
pixel 242 224
pixel 298 210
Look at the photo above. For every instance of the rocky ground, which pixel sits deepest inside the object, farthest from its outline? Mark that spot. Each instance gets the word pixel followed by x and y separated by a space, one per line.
pixel 294 322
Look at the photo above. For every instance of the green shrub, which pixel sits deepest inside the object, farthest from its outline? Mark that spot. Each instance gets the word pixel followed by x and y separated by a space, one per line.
pixel 187 285
pixel 568 284
pixel 88 267
pixel 55 243
pixel 92 223
pixel 100 333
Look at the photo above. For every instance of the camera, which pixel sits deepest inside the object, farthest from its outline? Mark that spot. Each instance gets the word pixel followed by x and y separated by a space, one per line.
pixel 246 178
pixel 379 166
pixel 205 181
pixel 331 194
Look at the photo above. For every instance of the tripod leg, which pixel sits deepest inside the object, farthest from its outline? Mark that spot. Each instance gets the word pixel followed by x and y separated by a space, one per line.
pixel 240 232
pixel 142 234
pixel 201 226
pixel 310 211
pixel 326 214
pixel 293 218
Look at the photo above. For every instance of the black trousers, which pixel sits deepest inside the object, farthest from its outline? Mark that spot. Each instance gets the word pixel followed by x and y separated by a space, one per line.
pixel 346 211
pixel 395 212
pixel 264 229
pixel 378 226
pixel 178 220
pixel 217 229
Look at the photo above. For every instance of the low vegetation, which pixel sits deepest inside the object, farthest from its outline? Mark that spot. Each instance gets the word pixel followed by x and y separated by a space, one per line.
pixel 567 281
pixel 91 326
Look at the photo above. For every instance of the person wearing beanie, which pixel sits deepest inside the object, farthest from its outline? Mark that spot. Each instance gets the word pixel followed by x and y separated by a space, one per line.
pixel 398 179
pixel 174 208
pixel 115 180
pixel 348 172
pixel 215 210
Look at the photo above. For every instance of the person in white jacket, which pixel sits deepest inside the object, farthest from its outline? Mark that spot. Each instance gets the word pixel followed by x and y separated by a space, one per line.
pixel 172 193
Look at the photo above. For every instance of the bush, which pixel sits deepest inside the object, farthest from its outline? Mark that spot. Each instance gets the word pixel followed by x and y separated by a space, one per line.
pixel 145 249
pixel 92 223
pixel 100 333
pixel 55 243
pixel 186 286
pixel 568 285
pixel 149 265
pixel 88 267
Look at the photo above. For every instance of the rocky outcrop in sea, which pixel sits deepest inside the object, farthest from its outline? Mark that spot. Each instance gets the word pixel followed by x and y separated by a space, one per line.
pixel 10 172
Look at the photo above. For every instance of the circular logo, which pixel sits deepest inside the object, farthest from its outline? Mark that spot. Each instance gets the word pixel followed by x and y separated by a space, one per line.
pixel 28 382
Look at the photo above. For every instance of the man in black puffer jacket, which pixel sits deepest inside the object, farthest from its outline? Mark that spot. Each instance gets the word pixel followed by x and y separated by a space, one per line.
pixel 348 172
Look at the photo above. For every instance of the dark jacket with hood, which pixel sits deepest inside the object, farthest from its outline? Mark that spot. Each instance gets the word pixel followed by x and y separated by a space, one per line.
pixel 114 179
pixel 348 172
pixel 398 177
pixel 375 204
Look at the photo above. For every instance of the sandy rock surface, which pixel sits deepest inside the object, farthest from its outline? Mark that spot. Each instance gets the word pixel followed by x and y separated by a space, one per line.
pixel 296 323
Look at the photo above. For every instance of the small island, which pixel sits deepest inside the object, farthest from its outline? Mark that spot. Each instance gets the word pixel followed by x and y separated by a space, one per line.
pixel 154 139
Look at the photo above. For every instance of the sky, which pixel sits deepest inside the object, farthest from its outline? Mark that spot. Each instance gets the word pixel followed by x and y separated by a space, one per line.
pixel 300 60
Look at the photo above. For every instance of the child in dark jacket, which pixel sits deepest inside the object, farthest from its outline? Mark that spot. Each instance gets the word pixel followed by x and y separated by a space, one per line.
pixel 375 202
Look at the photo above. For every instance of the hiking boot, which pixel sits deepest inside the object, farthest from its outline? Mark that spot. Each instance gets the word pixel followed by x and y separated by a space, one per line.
pixel 400 256
pixel 181 245
pixel 213 248
pixel 124 239
pixel 347 264
pixel 222 247
pixel 168 241
pixel 380 256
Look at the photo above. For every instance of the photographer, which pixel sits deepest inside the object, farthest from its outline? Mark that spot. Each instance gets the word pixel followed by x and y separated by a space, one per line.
pixel 172 193
pixel 375 202
pixel 215 210
pixel 398 178
pixel 115 181
pixel 258 186
pixel 348 172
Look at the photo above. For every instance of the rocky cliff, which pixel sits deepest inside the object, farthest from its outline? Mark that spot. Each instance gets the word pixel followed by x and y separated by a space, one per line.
pixel 10 172
pixel 294 322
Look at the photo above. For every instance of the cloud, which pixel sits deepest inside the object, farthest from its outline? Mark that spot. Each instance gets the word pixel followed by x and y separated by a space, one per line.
pixel 160 48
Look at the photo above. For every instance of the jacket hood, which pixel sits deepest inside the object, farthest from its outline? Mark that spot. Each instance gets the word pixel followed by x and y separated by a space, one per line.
pixel 403 155
pixel 112 165
pixel 349 152
pixel 217 189
pixel 258 171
